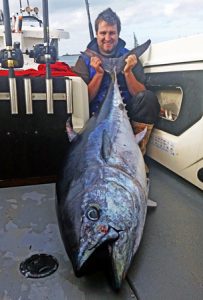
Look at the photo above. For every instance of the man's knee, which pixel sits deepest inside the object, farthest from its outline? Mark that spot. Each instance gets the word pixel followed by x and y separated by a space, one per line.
pixel 147 100
pixel 144 107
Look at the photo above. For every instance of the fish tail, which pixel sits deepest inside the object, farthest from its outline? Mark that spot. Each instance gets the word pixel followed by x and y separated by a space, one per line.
pixel 110 63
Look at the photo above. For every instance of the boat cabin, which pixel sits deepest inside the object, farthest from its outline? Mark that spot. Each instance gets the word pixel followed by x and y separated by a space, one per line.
pixel 174 72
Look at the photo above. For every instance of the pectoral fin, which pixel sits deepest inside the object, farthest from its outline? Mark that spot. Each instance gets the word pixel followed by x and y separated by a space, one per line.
pixel 106 146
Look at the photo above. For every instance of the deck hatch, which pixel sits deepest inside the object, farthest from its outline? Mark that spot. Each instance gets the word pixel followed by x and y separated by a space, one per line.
pixel 39 266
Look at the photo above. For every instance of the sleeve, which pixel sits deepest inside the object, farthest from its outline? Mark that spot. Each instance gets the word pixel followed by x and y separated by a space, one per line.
pixel 138 72
pixel 81 70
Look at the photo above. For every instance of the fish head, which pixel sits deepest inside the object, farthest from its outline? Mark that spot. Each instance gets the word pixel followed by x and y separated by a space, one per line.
pixel 109 223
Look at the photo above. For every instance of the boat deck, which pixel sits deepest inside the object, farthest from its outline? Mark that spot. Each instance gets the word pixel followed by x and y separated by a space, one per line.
pixel 168 265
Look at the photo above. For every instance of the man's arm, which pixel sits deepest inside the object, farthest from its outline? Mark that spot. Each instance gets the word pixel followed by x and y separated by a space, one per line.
pixel 94 84
pixel 82 70
pixel 134 86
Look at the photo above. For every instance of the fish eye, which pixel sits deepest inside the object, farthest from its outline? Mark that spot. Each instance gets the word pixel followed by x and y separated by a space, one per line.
pixel 93 214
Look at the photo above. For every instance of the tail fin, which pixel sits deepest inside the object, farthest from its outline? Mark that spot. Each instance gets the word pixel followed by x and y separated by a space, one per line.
pixel 109 64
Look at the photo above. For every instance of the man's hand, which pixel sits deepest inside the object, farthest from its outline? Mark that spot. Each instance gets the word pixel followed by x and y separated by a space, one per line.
pixel 94 84
pixel 95 62
pixel 131 61
pixel 134 86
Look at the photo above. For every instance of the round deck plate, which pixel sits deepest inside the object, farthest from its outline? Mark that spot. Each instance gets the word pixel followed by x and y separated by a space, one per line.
pixel 39 266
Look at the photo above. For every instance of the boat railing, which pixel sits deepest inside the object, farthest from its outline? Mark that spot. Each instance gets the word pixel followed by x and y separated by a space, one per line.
pixel 73 91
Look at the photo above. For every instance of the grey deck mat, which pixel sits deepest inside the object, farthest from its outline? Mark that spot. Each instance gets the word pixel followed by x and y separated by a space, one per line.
pixel 169 264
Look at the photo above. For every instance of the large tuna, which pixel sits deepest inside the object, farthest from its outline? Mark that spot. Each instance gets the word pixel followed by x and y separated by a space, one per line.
pixel 102 190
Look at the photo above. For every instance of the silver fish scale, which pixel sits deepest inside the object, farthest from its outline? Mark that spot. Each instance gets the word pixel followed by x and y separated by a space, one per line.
pixel 106 199
pixel 125 153
pixel 120 200
pixel 119 186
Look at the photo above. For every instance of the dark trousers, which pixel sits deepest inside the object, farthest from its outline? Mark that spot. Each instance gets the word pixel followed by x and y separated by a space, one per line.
pixel 144 107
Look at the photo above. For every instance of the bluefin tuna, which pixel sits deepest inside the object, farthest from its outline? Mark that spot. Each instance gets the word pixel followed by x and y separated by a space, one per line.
pixel 102 190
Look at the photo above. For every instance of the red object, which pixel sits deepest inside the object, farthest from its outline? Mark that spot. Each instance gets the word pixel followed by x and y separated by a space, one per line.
pixel 103 228
pixel 57 69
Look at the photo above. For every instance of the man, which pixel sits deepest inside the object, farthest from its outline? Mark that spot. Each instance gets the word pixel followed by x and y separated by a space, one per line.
pixel 142 105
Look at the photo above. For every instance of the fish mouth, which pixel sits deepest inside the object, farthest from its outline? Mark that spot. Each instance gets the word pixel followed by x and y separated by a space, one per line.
pixel 112 253
pixel 121 257
pixel 87 249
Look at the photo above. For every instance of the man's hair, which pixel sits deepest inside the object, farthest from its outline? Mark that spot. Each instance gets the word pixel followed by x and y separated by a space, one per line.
pixel 110 17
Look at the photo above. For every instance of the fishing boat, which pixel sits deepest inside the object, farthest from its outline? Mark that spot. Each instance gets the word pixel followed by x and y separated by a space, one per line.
pixel 174 72
pixel 168 264
pixel 37 93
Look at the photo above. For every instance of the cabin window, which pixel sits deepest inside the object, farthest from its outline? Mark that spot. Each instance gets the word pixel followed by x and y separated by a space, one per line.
pixel 31 22
pixel 170 101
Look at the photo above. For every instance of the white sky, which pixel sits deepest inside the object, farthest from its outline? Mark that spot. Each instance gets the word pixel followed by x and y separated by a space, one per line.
pixel 155 19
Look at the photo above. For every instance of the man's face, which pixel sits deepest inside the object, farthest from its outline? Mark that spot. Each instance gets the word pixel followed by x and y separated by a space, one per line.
pixel 107 37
